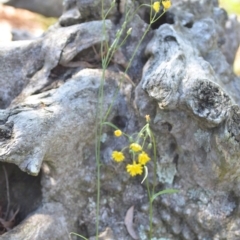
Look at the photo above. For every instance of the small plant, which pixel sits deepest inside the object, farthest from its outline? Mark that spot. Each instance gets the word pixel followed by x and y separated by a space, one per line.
pixel 141 143
pixel 139 146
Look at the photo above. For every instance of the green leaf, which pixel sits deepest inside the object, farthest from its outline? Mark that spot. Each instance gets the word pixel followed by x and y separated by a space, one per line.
pixel 110 124
pixel 103 137
pixel 166 191
pixel 146 174
pixel 78 235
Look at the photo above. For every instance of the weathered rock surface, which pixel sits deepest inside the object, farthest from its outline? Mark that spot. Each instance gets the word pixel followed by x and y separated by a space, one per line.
pixel 35 59
pixel 50 8
pixel 77 11
pixel 187 87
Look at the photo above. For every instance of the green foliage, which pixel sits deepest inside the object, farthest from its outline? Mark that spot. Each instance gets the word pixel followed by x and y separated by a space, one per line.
pixel 166 191
pixel 72 233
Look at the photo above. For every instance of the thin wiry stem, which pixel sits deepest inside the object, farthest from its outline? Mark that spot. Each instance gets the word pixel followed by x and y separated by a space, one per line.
pixel 100 121
pixel 150 209
pixel 99 126
pixel 8 194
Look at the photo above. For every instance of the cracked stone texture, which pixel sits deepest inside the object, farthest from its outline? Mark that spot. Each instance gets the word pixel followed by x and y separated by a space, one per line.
pixel 33 60
pixel 186 86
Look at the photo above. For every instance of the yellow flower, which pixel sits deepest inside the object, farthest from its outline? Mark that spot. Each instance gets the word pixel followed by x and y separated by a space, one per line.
pixel 118 133
pixel 135 147
pixel 166 4
pixel 143 158
pixel 118 156
pixel 134 169
pixel 156 6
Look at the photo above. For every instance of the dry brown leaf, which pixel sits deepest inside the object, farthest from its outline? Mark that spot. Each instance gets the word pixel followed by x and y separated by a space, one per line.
pixel 127 78
pixel 129 223
pixel 6 225
pixel 12 214
pixel 120 59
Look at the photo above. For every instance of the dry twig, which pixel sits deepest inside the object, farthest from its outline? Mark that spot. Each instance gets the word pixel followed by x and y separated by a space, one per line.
pixel 8 194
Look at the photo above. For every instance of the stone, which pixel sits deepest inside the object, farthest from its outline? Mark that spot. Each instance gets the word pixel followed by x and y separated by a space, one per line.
pixel 50 8
pixel 181 77
pixel 34 59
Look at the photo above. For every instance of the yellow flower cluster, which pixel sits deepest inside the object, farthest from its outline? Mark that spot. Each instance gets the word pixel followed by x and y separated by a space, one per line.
pixel 166 5
pixel 136 168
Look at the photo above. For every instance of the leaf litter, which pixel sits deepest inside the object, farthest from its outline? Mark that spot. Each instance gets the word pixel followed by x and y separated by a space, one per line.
pixel 7 218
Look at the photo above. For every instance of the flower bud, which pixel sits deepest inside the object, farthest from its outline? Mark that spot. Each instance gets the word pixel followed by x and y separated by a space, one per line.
pixel 149 146
pixel 130 139
pixel 129 31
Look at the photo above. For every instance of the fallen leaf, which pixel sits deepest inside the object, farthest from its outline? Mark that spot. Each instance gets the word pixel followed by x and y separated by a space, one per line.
pixel 6 225
pixel 127 78
pixel 129 223
pixel 120 59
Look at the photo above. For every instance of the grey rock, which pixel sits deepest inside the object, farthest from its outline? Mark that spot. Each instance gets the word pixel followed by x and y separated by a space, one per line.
pixel 18 34
pixel 106 235
pixel 77 11
pixel 186 86
pixel 50 8
pixel 34 59
pixel 19 55
pixel 45 218
pixel 185 72
pixel 72 96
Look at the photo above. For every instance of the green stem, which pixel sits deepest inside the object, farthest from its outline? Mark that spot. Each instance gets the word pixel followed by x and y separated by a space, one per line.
pixel 128 66
pixel 133 55
pixel 154 183
pixel 150 209
pixel 144 140
pixel 98 146
pixel 114 47
pixel 101 119
pixel 99 126
pixel 72 233
pixel 155 163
